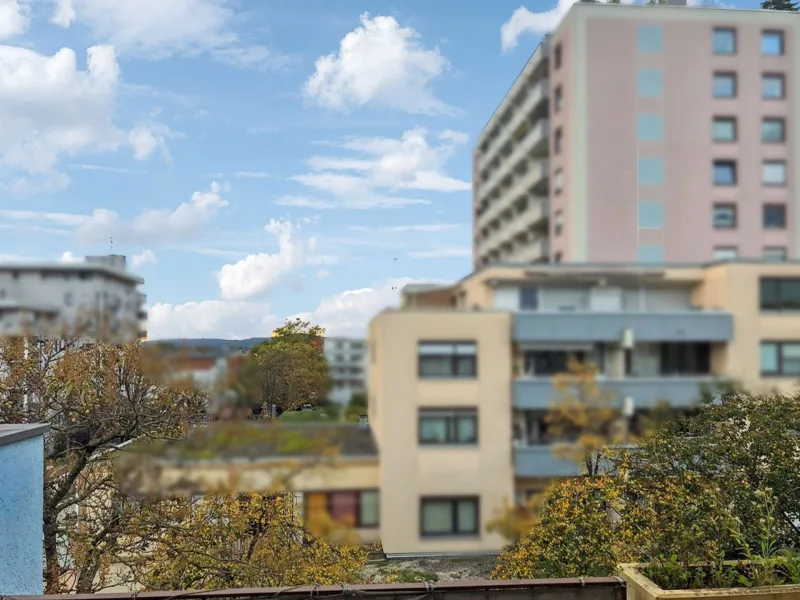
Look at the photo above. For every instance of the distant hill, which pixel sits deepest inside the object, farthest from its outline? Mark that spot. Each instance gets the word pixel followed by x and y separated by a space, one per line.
pixel 210 343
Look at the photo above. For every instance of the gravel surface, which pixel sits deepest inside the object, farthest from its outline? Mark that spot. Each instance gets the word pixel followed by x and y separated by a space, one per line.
pixel 432 569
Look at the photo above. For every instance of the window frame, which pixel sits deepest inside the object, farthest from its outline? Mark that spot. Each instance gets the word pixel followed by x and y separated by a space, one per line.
pixel 453 500
pixel 453 356
pixel 558 222
pixel 558 98
pixel 558 140
pixel 650 203
pixel 558 181
pixel 730 120
pixel 782 122
pixel 779 346
pixel 782 249
pixel 642 119
pixel 773 75
pixel 642 77
pixel 734 173
pixel 329 501
pixel 644 48
pixel 734 37
pixel 452 416
pixel 778 306
pixel 724 248
pixel 734 79
pixel 779 184
pixel 784 212
pixel 557 57
pixel 781 37
pixel 725 205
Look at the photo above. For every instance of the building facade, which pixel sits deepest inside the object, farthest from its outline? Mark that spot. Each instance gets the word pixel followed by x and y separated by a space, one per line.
pixel 21 506
pixel 46 298
pixel 461 377
pixel 346 361
pixel 650 134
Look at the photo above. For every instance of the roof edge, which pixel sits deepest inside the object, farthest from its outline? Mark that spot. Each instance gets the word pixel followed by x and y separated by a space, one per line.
pixel 12 434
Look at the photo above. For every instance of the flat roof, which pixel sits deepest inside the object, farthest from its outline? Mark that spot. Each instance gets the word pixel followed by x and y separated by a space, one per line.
pixel 76 267
pixel 12 433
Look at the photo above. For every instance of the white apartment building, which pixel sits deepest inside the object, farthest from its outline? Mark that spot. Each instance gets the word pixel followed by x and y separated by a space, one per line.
pixel 347 362
pixel 43 298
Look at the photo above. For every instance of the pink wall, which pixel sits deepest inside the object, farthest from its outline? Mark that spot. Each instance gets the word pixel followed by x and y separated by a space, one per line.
pixel 688 151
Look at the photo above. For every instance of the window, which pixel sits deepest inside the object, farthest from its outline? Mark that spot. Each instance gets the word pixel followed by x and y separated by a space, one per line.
pixel 558 181
pixel 650 83
pixel 775 254
pixel 651 171
pixel 557 258
pixel 724 216
pixel 69 299
pixel 773 130
pixel 447 360
pixel 557 57
pixel 558 223
pixel 448 516
pixel 650 254
pixel 777 294
pixel 724 85
pixel 725 253
pixel 649 39
pixel 650 128
pixel 773 173
pixel 558 140
pixel 724 129
pixel 651 215
pixel 546 363
pixel 774 216
pixel 724 172
pixel 448 426
pixel 359 508
pixel 724 40
pixel 529 298
pixel 773 86
pixel 772 43
pixel 558 97
pixel 780 358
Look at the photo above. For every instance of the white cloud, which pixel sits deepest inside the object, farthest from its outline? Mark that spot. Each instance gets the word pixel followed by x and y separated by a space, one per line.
pixel 49 109
pixel 14 18
pixel 349 312
pixel 143 258
pixel 251 175
pixel 63 219
pixel 154 226
pixel 379 63
pixel 446 252
pixel 431 227
pixel 64 13
pixel 69 257
pixel 258 273
pixel 382 167
pixel 457 137
pixel 210 318
pixel 303 202
pixel 157 29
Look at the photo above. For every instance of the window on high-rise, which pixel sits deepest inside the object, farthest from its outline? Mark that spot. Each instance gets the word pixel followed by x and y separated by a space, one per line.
pixel 650 128
pixel 650 83
pixel 774 254
pixel 650 254
pixel 558 140
pixel 446 517
pixel 724 172
pixel 724 216
pixel 773 86
pixel 774 216
pixel 651 170
pixel 650 39
pixel 780 358
pixel 779 293
pixel 724 129
pixel 651 214
pixel 558 98
pixel 726 253
pixel 724 85
pixel 773 173
pixel 773 130
pixel 724 40
pixel 557 57
pixel 772 43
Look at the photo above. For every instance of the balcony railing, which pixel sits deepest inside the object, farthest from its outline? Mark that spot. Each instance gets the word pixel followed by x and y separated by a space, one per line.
pixel 539 461
pixel 681 391
pixel 656 326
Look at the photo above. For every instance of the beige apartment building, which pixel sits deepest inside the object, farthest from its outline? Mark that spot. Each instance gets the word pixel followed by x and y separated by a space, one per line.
pixel 461 376
pixel 649 134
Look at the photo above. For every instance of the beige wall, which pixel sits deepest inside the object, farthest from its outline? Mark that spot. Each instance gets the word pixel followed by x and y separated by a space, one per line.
pixel 408 471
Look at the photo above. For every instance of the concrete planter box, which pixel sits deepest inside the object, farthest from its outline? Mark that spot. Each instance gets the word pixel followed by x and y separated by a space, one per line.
pixel 640 587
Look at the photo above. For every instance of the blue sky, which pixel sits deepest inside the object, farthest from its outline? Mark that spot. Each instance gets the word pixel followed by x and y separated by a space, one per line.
pixel 254 159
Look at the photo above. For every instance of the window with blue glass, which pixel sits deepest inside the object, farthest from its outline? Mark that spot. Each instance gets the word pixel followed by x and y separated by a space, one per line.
pixel 724 40
pixel 651 171
pixel 528 298
pixel 651 215
pixel 650 39
pixel 651 254
pixel 650 83
pixel 724 172
pixel 650 128
pixel 772 43
pixel 724 85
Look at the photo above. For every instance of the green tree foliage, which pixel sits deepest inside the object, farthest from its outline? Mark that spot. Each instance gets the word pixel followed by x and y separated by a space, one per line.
pixel 288 371
pixel 356 407
pixel 787 5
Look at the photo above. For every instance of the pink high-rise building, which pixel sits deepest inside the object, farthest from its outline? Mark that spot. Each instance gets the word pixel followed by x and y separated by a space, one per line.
pixel 646 134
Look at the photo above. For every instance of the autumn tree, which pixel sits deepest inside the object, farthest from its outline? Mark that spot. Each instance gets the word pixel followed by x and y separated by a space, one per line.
pixel 96 398
pixel 229 540
pixel 290 369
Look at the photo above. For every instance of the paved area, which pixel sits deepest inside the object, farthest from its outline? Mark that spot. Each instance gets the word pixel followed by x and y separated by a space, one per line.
pixel 430 569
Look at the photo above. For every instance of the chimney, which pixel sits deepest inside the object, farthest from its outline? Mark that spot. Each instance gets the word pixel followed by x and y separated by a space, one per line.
pixel 362 421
